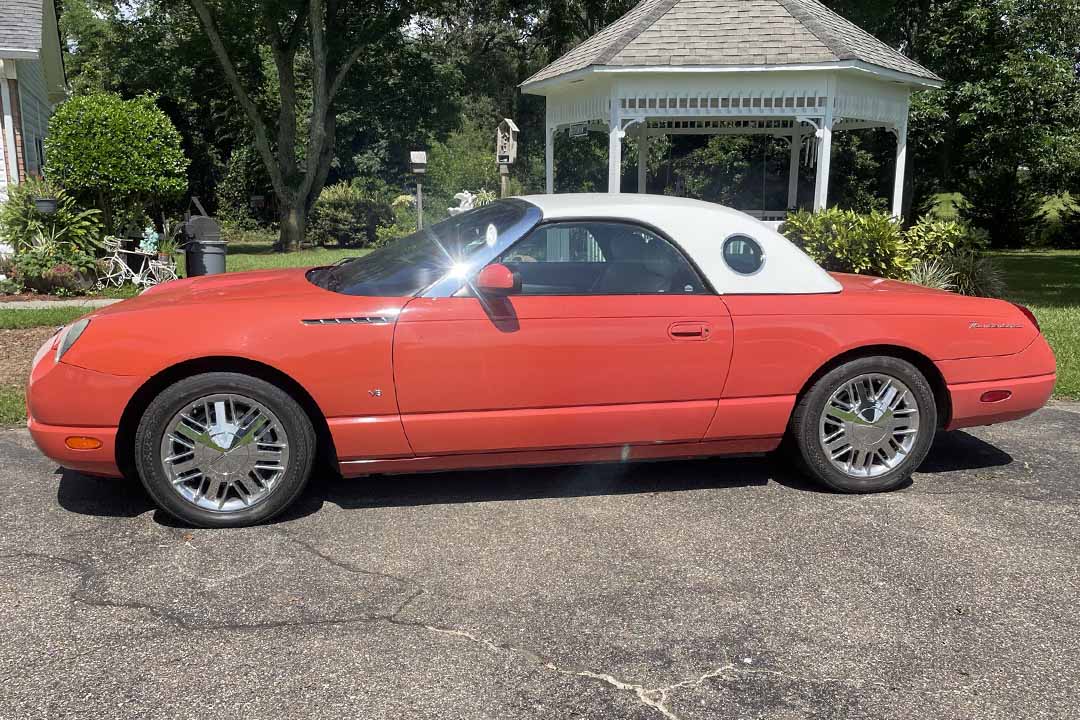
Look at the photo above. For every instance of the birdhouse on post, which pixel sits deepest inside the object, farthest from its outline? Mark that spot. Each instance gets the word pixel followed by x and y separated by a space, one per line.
pixel 506 143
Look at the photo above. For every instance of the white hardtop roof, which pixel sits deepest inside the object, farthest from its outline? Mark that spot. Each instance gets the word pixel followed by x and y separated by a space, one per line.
pixel 700 229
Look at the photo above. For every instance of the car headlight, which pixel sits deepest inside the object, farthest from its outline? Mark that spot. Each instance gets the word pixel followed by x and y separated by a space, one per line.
pixel 73 333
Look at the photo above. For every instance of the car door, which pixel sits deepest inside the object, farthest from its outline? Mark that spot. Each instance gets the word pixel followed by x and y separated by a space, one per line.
pixel 613 339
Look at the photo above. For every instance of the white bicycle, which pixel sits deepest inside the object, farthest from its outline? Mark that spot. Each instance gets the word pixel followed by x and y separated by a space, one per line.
pixel 116 269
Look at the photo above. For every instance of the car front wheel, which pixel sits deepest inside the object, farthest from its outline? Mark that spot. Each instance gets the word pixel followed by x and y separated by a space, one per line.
pixel 224 450
pixel 865 426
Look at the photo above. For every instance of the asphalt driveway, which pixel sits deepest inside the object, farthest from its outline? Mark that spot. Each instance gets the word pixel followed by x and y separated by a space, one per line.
pixel 719 589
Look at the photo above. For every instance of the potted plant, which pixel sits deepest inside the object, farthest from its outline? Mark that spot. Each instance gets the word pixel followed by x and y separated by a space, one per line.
pixel 168 243
pixel 166 248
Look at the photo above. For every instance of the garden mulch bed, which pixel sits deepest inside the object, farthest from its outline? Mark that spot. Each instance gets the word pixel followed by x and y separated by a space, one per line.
pixel 34 297
pixel 17 349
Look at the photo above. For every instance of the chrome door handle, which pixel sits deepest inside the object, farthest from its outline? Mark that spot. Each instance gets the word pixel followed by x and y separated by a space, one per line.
pixel 698 331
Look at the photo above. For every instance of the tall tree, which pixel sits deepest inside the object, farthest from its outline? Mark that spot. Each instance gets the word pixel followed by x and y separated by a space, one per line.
pixel 330 37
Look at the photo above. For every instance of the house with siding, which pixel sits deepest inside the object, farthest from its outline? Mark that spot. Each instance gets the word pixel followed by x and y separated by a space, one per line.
pixel 31 84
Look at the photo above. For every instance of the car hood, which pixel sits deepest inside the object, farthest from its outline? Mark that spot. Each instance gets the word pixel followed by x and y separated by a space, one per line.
pixel 291 282
pixel 270 317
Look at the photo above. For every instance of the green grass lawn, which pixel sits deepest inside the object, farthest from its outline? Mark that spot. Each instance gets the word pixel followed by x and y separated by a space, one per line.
pixel 12 406
pixel 1048 282
pixel 18 319
pixel 261 256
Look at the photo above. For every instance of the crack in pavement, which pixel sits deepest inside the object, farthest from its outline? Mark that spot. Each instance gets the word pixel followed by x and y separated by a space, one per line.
pixel 657 698
pixel 87 573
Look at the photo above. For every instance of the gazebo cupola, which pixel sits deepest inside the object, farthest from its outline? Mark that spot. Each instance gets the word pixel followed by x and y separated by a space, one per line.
pixel 789 68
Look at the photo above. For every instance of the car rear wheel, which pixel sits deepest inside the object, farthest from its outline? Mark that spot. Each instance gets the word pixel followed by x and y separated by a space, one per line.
pixel 865 426
pixel 224 450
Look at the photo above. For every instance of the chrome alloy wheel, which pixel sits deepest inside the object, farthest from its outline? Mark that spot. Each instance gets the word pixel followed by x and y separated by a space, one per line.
pixel 224 453
pixel 869 426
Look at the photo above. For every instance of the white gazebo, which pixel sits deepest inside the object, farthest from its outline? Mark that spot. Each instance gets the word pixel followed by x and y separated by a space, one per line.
pixel 789 68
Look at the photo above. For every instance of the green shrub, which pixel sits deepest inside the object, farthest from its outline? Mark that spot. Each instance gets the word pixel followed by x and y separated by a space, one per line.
pixel 247 231
pixel 404 222
pixel 932 237
pixel 53 266
pixel 937 249
pixel 936 274
pixel 464 161
pixel 119 155
pixel 8 284
pixel 1006 205
pixel 1066 233
pixel 21 223
pixel 941 254
pixel 846 241
pixel 344 214
pixel 976 274
pixel 244 175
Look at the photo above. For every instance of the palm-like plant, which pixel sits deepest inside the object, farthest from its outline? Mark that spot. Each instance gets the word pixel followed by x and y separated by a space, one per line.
pixel 934 274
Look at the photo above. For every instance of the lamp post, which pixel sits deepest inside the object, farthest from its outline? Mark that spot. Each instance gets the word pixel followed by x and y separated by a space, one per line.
pixel 418 162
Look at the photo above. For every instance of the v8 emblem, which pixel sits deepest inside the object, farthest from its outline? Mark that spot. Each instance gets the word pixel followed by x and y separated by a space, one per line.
pixel 376 393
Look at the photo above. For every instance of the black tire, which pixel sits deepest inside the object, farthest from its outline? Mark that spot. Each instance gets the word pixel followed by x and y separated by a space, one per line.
pixel 804 428
pixel 152 428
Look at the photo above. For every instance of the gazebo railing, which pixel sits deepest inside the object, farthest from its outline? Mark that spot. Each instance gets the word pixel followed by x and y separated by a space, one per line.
pixel 768 215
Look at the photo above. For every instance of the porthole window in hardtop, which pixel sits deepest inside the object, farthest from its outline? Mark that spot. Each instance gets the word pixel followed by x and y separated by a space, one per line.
pixel 600 258
pixel 743 254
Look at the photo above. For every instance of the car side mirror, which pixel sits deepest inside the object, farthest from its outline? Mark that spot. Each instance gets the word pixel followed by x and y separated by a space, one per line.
pixel 497 279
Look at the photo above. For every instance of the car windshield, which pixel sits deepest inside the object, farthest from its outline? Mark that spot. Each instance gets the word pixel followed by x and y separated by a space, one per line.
pixel 411 264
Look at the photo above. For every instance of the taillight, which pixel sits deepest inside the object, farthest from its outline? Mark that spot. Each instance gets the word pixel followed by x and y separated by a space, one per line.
pixel 1029 315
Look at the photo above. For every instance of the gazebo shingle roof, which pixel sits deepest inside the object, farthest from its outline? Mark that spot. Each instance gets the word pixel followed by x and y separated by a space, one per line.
pixel 20 25
pixel 676 33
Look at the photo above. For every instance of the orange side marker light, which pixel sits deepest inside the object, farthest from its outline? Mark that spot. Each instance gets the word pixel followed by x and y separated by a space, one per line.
pixel 83 443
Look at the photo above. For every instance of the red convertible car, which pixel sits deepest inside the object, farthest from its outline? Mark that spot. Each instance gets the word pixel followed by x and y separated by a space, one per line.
pixel 538 330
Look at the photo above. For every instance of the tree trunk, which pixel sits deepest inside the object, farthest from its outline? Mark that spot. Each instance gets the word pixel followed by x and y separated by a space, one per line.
pixel 296 188
pixel 293 225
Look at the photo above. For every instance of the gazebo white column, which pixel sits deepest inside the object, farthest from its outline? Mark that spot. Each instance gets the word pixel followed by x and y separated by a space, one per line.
pixel 901 166
pixel 615 134
pixel 643 158
pixel 824 159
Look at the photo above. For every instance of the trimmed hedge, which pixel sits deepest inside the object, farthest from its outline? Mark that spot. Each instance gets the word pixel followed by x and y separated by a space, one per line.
pixel 347 216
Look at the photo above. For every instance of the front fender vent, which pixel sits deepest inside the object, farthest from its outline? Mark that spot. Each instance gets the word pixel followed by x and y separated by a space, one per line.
pixel 348 321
